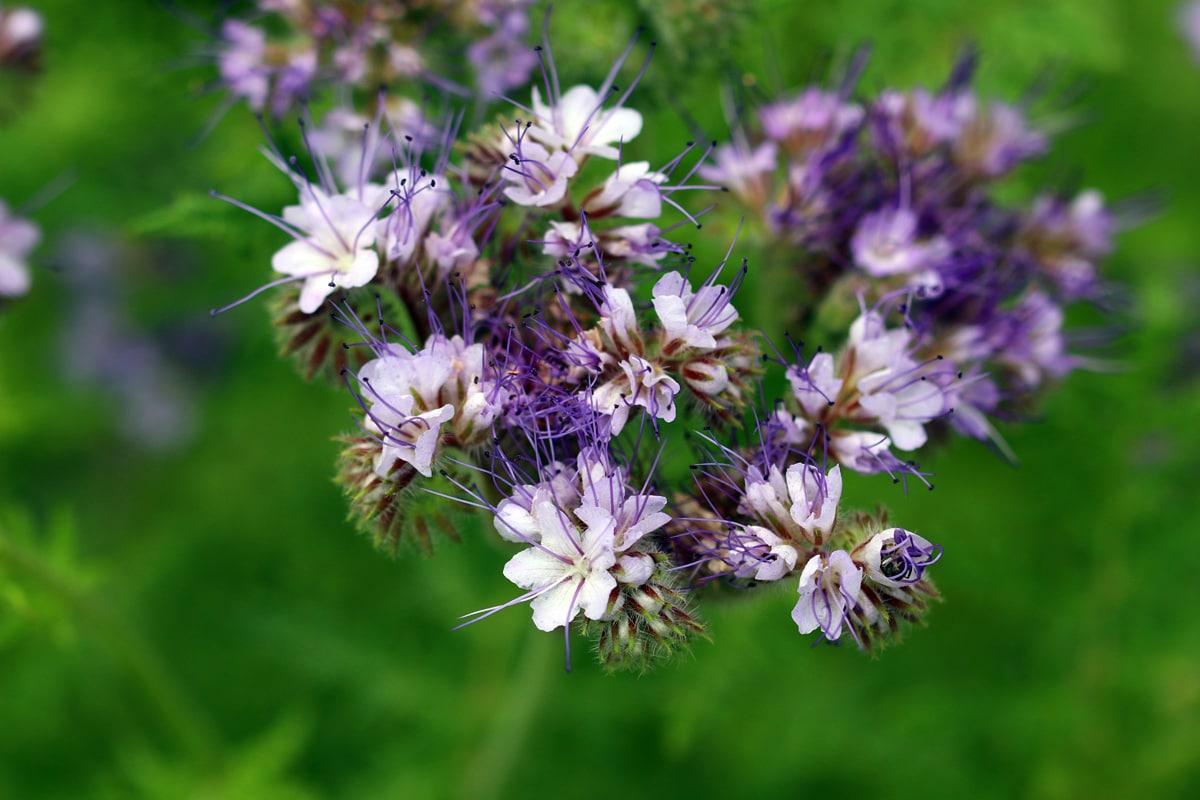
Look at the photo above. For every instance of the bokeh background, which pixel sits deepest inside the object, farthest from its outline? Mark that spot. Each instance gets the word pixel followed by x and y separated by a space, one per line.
pixel 185 612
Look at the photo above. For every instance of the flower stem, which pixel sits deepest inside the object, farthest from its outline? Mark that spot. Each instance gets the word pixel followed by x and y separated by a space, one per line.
pixel 505 739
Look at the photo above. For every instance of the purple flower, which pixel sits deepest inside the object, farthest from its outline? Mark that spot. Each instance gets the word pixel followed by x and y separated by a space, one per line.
pixel 1067 240
pixel 743 169
pixel 886 243
pixel 1029 342
pixel 809 120
pixel 997 139
pixel 502 60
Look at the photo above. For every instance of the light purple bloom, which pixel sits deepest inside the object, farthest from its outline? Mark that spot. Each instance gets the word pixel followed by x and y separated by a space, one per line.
pixel 334 242
pixel 755 551
pixel 242 62
pixel 742 169
pixel 412 395
pixel 17 238
pixel 577 122
pixel 998 139
pixel 816 386
pixel 538 178
pixel 811 118
pixel 692 319
pixel 814 497
pixel 640 383
pixel 886 243
pixel 829 592
pixel 21 32
pixel 895 390
pixel 1188 17
pixel 632 191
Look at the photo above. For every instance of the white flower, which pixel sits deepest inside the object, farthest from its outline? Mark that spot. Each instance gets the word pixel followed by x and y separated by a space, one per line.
pixel 418 200
pixel 740 169
pixel 802 501
pixel 816 387
pixel 413 394
pixel 776 562
pixel 885 243
pixel 578 123
pixel 338 249
pixel 814 497
pixel 567 571
pixel 896 557
pixel 539 178
pixel 642 383
pixel 619 320
pixel 692 318
pixel 829 591
pixel 413 439
pixel 631 191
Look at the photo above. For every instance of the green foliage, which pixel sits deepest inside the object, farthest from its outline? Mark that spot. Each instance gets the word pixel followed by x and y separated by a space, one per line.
pixel 41 573
pixel 258 770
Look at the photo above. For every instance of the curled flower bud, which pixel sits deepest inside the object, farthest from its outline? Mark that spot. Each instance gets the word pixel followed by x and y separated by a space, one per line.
pixel 896 557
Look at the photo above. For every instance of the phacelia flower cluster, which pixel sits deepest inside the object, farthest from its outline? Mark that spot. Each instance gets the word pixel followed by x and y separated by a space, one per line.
pixel 527 334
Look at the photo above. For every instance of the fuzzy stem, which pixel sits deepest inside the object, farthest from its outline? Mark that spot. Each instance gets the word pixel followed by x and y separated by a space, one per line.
pixel 193 731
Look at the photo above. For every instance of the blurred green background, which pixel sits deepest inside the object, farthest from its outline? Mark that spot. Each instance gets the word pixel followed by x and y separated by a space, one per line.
pixel 184 611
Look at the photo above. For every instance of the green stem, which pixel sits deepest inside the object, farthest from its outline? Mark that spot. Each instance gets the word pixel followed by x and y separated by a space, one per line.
pixel 506 737
pixel 180 716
